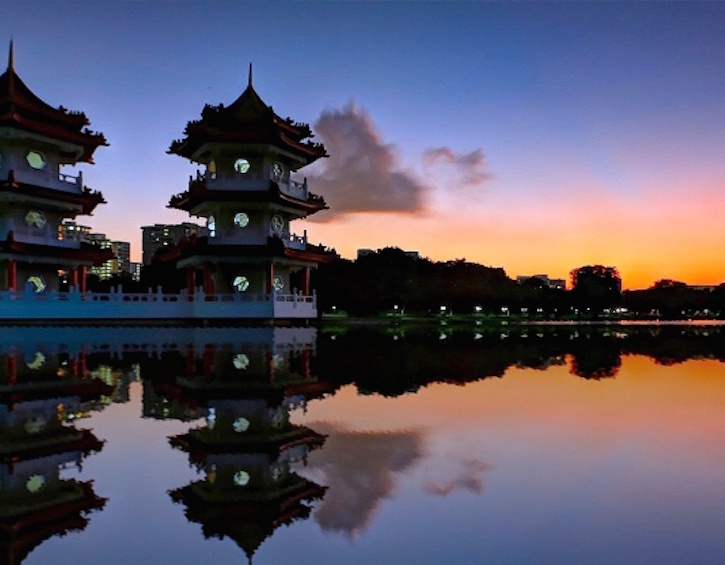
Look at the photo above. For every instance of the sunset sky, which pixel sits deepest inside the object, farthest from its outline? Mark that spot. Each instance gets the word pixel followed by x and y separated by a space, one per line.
pixel 537 137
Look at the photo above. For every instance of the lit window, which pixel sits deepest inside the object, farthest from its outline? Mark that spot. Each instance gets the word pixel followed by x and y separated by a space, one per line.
pixel 241 166
pixel 277 223
pixel 278 283
pixel 211 225
pixel 277 171
pixel 37 362
pixel 240 425
pixel 241 478
pixel 241 220
pixel 241 283
pixel 241 361
pixel 37 282
pixel 35 219
pixel 35 159
pixel 35 483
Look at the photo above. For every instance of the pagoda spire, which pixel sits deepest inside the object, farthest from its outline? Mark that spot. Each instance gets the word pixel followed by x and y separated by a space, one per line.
pixel 249 83
pixel 11 57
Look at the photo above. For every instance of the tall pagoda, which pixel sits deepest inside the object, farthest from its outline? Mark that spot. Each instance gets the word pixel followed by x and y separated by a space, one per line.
pixel 249 201
pixel 36 140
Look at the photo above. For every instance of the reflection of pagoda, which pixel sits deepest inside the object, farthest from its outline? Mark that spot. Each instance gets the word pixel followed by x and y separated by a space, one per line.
pixel 39 394
pixel 36 141
pixel 248 446
pixel 249 202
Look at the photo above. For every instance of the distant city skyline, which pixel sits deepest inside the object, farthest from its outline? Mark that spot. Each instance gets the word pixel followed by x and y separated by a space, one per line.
pixel 537 137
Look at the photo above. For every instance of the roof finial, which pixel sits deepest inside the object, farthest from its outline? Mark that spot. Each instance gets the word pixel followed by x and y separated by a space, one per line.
pixel 250 76
pixel 11 58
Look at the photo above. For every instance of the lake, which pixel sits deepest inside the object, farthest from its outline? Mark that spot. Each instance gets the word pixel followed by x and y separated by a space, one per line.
pixel 540 444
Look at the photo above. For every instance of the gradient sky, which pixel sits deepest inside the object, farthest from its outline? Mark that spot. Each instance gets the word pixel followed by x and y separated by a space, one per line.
pixel 537 137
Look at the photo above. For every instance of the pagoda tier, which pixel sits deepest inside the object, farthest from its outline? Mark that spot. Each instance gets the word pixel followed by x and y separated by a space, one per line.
pixel 22 110
pixel 70 204
pixel 248 120
pixel 203 249
pixel 24 531
pixel 300 204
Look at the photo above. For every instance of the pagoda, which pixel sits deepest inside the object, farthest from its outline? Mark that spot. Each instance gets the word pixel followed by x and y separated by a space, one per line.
pixel 248 450
pixel 249 201
pixel 42 393
pixel 36 141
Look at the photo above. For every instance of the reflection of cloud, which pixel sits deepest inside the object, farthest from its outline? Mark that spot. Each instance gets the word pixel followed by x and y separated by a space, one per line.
pixel 358 468
pixel 363 174
pixel 470 479
pixel 462 169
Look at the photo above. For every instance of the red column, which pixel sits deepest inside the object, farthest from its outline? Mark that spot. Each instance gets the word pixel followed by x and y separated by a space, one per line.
pixel 270 278
pixel 82 369
pixel 82 273
pixel 208 282
pixel 190 279
pixel 73 278
pixel 306 281
pixel 12 369
pixel 11 278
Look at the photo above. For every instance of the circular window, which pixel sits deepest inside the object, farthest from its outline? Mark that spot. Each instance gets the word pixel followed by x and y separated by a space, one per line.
pixel 35 219
pixel 277 171
pixel 278 283
pixel 240 425
pixel 241 166
pixel 277 223
pixel 241 361
pixel 241 283
pixel 241 220
pixel 35 159
pixel 35 483
pixel 241 478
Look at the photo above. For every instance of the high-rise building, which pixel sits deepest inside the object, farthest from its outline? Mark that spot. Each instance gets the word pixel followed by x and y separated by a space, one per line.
pixel 159 236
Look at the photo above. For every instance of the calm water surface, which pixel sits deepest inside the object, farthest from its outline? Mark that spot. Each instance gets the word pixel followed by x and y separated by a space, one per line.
pixel 546 445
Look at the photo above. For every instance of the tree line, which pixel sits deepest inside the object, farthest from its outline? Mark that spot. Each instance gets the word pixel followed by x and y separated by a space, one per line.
pixel 391 281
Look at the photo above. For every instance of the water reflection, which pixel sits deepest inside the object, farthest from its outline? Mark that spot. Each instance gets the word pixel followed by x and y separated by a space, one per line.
pixel 43 392
pixel 258 460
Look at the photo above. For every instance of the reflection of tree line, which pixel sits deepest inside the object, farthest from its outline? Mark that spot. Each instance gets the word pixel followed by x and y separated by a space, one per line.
pixel 390 364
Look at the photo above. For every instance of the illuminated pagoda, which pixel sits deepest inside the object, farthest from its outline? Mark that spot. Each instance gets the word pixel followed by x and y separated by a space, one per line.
pixel 248 447
pixel 249 201
pixel 41 395
pixel 36 141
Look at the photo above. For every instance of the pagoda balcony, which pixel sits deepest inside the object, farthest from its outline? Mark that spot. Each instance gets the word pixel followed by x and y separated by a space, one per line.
pixel 46 236
pixel 251 181
pixel 62 181
pixel 294 241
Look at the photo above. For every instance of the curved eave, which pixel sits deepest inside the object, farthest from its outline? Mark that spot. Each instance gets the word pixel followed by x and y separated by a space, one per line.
pixel 87 140
pixel 274 248
pixel 86 253
pixel 200 193
pixel 88 199
pixel 200 135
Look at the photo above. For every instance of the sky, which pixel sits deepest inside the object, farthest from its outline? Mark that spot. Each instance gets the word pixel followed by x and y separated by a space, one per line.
pixel 537 137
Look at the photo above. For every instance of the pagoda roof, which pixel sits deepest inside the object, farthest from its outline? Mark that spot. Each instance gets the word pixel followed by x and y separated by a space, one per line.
pixel 20 535
pixel 21 109
pixel 247 120
pixel 248 522
pixel 87 199
pixel 85 253
pixel 275 247
pixel 199 193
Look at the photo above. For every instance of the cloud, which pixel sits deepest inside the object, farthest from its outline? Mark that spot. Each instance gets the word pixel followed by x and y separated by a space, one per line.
pixel 360 469
pixel 469 478
pixel 362 174
pixel 456 170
